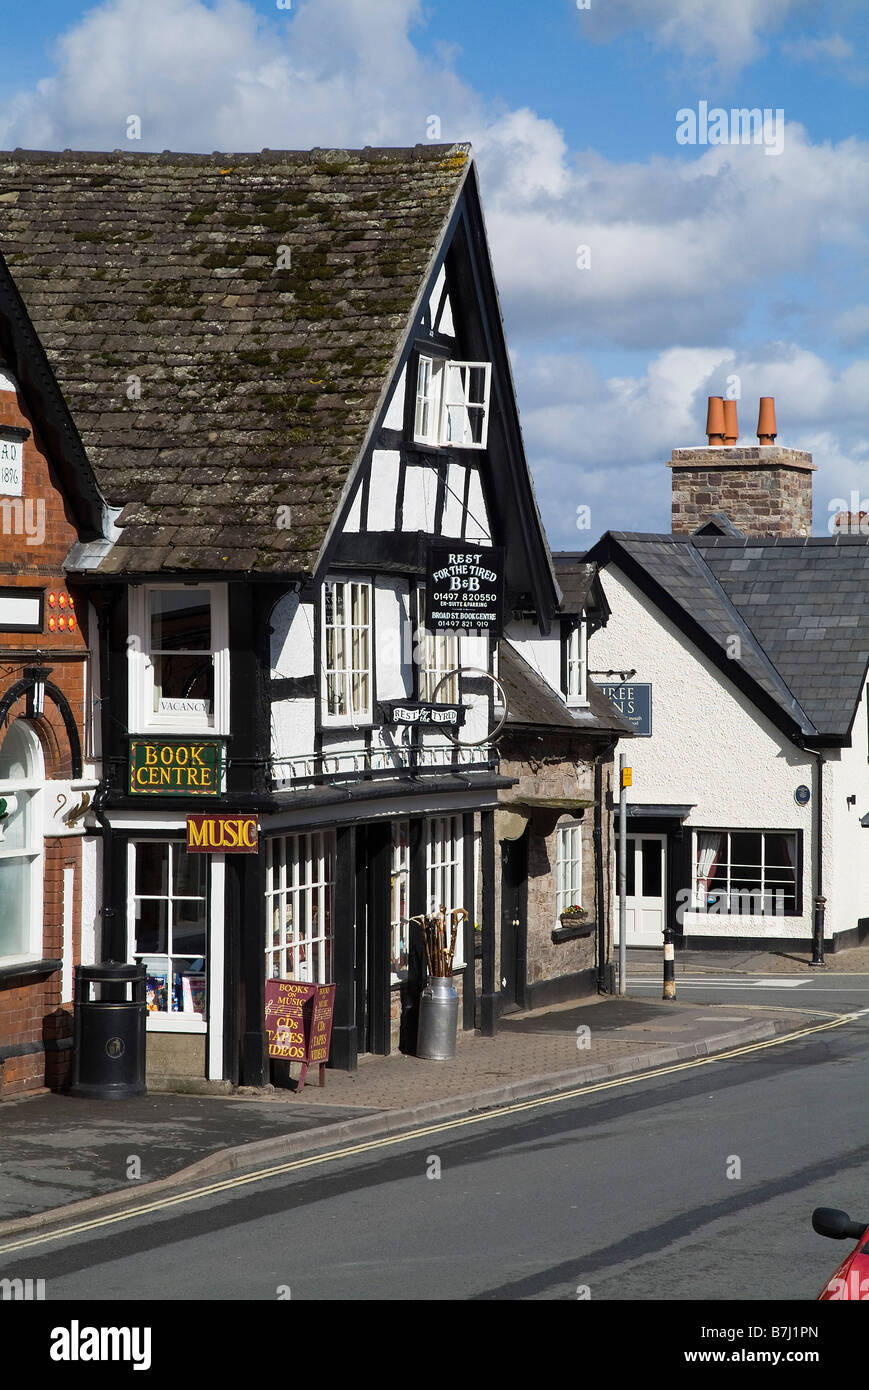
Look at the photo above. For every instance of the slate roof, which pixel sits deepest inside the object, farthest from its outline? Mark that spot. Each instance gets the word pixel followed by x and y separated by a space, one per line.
pixel 580 586
pixel 258 383
pixel 799 605
pixel 531 701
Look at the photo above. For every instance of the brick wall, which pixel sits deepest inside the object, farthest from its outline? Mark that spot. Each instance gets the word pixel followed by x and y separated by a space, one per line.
pixel 765 491
pixel 33 544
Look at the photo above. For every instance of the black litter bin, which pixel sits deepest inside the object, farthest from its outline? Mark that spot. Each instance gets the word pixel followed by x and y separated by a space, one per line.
pixel 109 1058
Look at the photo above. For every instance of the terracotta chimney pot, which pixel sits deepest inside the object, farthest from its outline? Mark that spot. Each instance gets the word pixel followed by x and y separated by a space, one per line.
pixel 731 424
pixel 715 420
pixel 766 427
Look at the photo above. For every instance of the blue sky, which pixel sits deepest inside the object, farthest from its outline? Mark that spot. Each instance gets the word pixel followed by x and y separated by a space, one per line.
pixel 706 262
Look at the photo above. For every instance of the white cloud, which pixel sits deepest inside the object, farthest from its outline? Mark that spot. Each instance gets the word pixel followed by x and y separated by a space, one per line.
pixel 328 72
pixel 727 37
pixel 806 50
pixel 683 250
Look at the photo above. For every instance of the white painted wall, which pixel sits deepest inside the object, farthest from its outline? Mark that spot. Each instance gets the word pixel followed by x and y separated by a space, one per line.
pixel 454 501
pixel 543 654
pixel 846 841
pixel 709 747
pixel 420 498
pixel 355 512
pixel 393 647
pixel 383 489
pixel 292 642
pixel 477 527
pixel 394 418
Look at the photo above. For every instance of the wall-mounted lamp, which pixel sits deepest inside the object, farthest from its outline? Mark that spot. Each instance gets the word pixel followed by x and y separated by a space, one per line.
pixel 36 694
pixel 851 800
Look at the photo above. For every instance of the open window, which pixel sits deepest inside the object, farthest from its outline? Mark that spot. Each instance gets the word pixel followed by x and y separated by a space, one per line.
pixel 452 403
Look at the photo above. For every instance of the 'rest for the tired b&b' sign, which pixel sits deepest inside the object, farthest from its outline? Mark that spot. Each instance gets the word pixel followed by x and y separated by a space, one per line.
pixel 465 588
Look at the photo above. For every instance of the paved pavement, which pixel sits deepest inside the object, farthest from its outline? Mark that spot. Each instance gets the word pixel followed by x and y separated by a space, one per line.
pixel 640 961
pixel 64 1156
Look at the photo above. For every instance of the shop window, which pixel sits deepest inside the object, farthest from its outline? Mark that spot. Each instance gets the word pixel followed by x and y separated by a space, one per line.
pixel 22 774
pixel 300 876
pixel 438 656
pixel 568 867
pixel 747 872
pixel 575 665
pixel 444 865
pixel 179 658
pixel 452 403
pixel 399 888
pixel 347 651
pixel 169 929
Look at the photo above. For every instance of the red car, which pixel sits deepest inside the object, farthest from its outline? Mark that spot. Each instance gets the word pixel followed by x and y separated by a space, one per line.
pixel 851 1279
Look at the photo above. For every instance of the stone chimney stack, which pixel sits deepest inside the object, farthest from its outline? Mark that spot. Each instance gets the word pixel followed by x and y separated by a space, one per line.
pixel 765 489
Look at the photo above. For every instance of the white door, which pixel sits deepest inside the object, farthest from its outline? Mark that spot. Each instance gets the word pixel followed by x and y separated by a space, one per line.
pixel 646 878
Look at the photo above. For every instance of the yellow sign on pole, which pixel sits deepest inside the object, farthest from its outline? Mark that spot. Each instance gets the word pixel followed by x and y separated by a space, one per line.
pixel 627 777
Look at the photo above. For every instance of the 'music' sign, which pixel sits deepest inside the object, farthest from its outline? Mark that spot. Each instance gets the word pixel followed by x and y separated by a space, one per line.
pixel 222 834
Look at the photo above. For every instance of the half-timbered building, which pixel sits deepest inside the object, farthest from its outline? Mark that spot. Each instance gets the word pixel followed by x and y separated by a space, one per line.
pixel 289 374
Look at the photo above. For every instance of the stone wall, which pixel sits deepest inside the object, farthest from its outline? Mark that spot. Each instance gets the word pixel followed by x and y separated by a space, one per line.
pixel 765 491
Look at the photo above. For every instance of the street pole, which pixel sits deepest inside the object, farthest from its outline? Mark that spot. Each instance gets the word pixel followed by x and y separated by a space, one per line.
pixel 623 871
pixel 669 964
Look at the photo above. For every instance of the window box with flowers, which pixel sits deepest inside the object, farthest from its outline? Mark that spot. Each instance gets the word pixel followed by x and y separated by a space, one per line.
pixel 575 922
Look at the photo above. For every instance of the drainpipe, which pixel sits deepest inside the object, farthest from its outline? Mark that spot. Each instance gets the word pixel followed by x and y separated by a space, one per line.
pixel 108 943
pixel 605 980
pixel 820 900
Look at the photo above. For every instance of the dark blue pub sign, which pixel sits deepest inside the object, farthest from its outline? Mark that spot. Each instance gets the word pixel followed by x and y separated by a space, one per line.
pixel 633 701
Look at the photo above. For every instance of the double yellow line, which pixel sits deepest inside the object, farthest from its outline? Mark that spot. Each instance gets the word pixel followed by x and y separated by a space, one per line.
pixel 371 1145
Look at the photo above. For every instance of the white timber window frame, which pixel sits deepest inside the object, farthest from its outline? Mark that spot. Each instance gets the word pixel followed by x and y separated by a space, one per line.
pixel 568 867
pixel 22 778
pixel 438 656
pixel 347 609
pixel 173 1006
pixel 576 664
pixel 399 899
pixel 149 712
pixel 451 406
pixel 445 874
pixel 300 881
pixel 766 885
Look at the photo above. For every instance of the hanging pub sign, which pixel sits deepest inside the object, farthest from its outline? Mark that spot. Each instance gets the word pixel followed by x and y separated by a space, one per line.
pixel 222 834
pixel 299 1023
pixel 175 767
pixel 465 589
pixel 423 712
pixel 633 701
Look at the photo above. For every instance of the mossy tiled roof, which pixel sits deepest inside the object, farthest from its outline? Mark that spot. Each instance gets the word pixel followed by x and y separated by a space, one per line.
pixel 255 301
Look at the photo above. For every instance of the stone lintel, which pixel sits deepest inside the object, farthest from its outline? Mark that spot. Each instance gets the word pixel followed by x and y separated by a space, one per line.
pixel 739 456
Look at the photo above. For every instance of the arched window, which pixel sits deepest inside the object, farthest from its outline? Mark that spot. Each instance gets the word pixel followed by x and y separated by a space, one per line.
pixel 22 774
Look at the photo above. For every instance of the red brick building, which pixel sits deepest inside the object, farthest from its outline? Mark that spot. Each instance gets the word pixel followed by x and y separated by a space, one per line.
pixel 48 503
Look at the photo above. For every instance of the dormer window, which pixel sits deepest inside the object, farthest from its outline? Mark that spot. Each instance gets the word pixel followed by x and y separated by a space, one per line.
pixel 178 653
pixel 452 403
pixel 575 663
